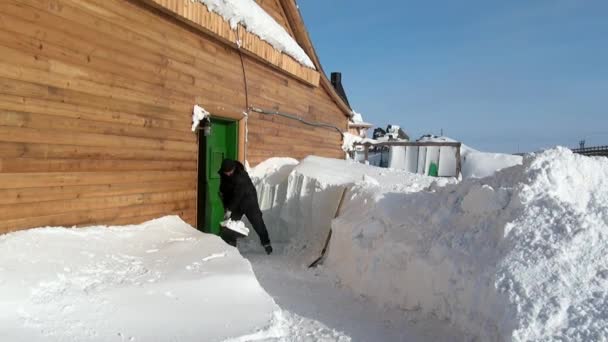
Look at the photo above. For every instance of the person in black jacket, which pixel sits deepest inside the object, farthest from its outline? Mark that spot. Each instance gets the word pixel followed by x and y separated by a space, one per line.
pixel 240 198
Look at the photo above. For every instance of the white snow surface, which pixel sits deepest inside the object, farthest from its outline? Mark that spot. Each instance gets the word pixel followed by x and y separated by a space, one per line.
pixel 317 294
pixel 349 140
pixel 159 281
pixel 521 255
pixel 300 201
pixel 477 164
pixel 273 170
pixel 237 226
pixel 249 14
pixel 357 118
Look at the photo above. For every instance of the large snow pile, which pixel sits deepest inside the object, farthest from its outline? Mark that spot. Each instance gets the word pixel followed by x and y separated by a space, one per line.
pixel 300 201
pixel 477 164
pixel 249 14
pixel 159 281
pixel 518 256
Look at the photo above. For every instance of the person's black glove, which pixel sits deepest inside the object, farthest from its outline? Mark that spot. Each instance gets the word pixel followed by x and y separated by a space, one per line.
pixel 268 249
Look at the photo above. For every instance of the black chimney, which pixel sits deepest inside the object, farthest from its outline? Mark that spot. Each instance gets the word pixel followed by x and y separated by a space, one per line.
pixel 336 81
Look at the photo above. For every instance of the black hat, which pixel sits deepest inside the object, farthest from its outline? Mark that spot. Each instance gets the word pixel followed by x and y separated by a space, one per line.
pixel 228 165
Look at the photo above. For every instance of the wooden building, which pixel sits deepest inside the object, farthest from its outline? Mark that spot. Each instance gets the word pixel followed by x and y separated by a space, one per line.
pixel 96 100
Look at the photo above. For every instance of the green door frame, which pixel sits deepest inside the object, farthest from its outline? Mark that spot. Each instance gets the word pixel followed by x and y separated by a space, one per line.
pixel 222 143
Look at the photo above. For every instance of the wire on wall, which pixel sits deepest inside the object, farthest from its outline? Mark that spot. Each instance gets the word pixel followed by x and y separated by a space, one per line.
pixel 298 118
pixel 249 108
pixel 246 111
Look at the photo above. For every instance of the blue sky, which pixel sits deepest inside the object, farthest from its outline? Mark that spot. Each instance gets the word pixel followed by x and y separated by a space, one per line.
pixel 506 76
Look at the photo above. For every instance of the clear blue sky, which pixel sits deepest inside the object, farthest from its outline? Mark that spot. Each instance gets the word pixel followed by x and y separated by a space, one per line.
pixel 498 75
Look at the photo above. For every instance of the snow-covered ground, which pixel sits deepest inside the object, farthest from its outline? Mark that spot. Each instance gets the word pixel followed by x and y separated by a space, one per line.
pixel 159 281
pixel 517 256
pixel 521 255
pixel 317 294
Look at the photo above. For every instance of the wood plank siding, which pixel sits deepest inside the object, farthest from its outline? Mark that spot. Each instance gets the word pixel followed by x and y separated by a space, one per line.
pixel 96 100
pixel 196 14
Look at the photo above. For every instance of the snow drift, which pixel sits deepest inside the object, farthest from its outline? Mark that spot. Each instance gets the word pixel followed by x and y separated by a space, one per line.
pixel 159 281
pixel 518 256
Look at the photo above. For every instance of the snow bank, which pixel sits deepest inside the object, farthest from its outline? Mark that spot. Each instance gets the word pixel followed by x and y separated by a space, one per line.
pixel 300 201
pixel 159 281
pixel 249 14
pixel 518 256
pixel 521 256
pixel 273 170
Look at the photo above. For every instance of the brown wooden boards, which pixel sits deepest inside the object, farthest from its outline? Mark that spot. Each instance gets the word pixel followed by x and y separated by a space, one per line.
pixel 96 101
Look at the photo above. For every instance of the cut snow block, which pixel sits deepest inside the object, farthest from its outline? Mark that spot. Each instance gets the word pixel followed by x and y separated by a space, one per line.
pixel 396 157
pixel 411 159
pixel 310 208
pixel 421 160
pixel 447 161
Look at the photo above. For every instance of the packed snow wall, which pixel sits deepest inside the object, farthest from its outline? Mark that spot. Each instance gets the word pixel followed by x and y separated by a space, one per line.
pixel 518 256
pixel 299 201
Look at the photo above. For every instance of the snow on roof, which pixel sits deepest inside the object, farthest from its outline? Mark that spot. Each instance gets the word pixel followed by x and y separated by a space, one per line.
pixel 249 14
pixel 357 117
pixel 357 121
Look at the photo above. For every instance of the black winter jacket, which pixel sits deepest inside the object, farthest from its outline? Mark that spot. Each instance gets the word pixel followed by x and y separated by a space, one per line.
pixel 237 191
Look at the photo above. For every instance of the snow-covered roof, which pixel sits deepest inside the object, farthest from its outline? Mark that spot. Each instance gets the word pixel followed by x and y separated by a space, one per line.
pixel 357 121
pixel 255 20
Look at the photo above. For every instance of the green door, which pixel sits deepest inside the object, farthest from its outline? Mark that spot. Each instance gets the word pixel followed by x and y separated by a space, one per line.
pixel 222 143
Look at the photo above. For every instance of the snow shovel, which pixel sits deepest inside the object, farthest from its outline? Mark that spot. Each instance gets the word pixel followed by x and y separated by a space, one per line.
pixel 231 230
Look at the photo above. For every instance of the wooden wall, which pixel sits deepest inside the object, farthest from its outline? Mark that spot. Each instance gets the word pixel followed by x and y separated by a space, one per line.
pixel 95 107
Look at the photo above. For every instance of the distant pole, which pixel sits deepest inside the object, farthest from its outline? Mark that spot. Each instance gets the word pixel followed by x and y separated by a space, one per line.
pixel 441 134
pixel 582 143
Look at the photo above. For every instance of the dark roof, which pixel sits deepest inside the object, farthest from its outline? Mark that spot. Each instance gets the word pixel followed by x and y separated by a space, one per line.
pixel 336 81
